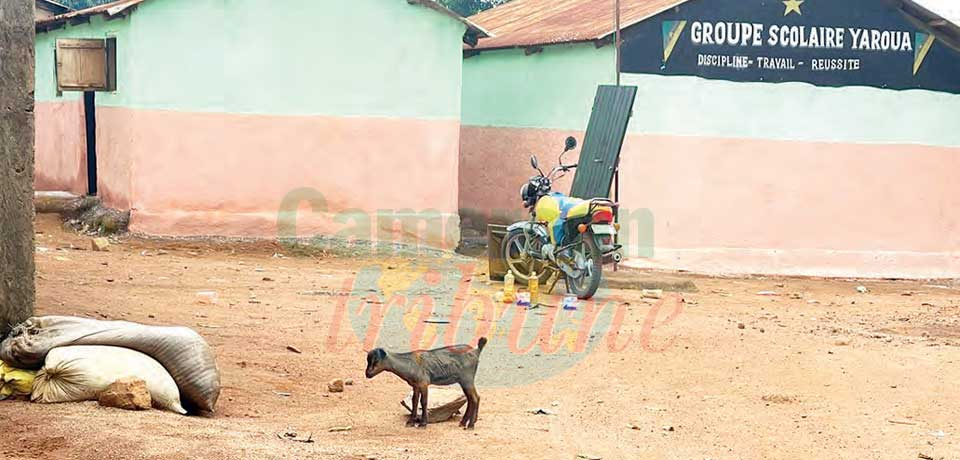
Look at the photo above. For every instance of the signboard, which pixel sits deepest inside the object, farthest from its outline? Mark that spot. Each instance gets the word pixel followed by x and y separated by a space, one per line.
pixel 823 42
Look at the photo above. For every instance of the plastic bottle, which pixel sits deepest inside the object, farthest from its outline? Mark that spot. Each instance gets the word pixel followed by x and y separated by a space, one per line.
pixel 533 285
pixel 509 290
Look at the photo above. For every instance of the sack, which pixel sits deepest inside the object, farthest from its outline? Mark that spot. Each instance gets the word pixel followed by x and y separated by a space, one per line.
pixel 184 354
pixel 81 373
pixel 15 382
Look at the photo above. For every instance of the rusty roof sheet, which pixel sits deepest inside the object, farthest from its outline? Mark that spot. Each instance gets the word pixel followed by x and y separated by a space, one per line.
pixel 471 25
pixel 109 9
pixel 522 23
pixel 53 6
pixel 123 7
pixel 946 9
pixel 936 16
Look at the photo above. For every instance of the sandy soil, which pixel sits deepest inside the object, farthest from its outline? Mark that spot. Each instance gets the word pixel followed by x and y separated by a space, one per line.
pixel 818 370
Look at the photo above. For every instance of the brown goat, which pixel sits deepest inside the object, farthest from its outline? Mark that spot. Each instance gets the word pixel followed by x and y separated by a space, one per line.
pixel 440 366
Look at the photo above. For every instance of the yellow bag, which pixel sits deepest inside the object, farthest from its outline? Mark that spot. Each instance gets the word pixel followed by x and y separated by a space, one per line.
pixel 15 382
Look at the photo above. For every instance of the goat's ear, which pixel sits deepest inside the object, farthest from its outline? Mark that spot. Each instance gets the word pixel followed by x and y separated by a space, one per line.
pixel 381 354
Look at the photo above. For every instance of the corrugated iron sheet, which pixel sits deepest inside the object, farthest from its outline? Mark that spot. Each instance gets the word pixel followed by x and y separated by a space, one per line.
pixel 120 6
pixel 526 23
pixel 435 5
pixel 600 155
pixel 109 9
pixel 53 7
pixel 938 17
pixel 946 9
pixel 522 23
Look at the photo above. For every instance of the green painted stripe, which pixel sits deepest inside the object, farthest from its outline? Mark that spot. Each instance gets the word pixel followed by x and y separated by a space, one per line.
pixel 302 57
pixel 691 106
pixel 555 90
pixel 551 89
pixel 45 81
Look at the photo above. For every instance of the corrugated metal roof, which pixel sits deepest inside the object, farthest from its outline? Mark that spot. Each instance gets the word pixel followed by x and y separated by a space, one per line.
pixel 53 6
pixel 947 9
pixel 121 6
pixel 435 5
pixel 937 16
pixel 525 23
pixel 109 9
pixel 521 23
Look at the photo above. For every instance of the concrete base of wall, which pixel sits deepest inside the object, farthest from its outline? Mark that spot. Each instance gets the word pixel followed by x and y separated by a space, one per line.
pixel 805 262
pixel 433 230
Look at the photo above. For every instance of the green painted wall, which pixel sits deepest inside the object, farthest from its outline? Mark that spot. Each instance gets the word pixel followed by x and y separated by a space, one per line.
pixel 297 57
pixel 554 89
pixel 691 106
pixel 46 84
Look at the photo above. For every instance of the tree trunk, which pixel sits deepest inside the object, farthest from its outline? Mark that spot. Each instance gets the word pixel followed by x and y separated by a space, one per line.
pixel 16 162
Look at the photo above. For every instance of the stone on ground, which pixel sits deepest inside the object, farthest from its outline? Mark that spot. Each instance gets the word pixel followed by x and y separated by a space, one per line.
pixel 129 394
pixel 100 244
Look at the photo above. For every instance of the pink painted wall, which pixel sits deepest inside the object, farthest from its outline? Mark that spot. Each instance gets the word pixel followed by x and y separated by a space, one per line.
pixel 495 163
pixel 188 173
pixel 738 205
pixel 810 208
pixel 60 152
pixel 114 156
pixel 183 173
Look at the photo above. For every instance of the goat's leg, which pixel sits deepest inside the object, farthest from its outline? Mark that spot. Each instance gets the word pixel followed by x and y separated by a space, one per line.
pixel 469 409
pixel 413 409
pixel 475 398
pixel 423 406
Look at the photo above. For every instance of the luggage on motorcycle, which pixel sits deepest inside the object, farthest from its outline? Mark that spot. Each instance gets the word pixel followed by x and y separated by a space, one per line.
pixel 181 351
pixel 81 373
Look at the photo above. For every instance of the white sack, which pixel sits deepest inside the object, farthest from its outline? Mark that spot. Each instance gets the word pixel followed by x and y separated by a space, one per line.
pixel 82 372
pixel 181 351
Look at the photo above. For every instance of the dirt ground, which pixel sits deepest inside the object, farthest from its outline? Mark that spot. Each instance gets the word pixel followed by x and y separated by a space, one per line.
pixel 743 368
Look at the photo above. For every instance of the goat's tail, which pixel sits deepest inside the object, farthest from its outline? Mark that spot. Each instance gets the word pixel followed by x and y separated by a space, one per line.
pixel 482 343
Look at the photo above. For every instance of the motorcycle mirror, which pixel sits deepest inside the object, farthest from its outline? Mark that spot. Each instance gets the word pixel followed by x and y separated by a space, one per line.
pixel 533 162
pixel 570 144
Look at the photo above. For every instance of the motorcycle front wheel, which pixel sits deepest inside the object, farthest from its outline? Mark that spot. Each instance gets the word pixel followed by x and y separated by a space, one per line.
pixel 589 281
pixel 520 262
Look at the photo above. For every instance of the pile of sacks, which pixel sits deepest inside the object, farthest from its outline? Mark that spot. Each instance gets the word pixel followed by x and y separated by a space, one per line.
pixel 79 358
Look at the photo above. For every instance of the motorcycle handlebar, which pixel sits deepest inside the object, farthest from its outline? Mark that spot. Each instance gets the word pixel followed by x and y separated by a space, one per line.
pixel 561 168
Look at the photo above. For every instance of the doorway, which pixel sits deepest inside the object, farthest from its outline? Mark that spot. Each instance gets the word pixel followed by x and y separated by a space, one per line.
pixel 90 123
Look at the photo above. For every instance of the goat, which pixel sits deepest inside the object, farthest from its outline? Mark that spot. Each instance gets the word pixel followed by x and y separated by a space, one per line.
pixel 440 366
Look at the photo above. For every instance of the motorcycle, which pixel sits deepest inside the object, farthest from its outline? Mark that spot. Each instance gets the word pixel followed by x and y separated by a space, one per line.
pixel 564 234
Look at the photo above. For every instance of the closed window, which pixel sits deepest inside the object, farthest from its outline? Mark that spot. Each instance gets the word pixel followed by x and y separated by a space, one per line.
pixel 86 64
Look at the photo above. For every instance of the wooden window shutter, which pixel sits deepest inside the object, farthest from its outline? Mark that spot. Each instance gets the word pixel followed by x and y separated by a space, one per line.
pixel 85 65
